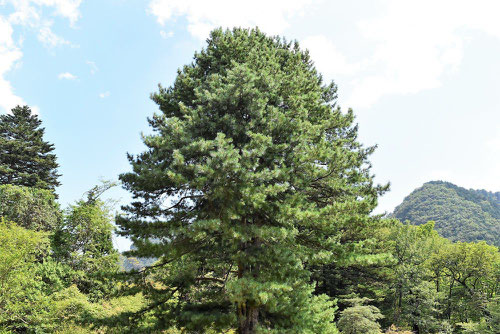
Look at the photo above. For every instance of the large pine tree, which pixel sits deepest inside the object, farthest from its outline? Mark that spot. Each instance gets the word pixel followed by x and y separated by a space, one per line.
pixel 25 158
pixel 252 175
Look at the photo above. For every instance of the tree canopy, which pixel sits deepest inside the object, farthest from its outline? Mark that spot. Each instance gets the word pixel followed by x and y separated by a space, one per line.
pixel 31 208
pixel 25 158
pixel 252 174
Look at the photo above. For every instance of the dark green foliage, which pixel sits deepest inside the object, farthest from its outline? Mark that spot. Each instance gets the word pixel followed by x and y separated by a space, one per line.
pixel 32 208
pixel 367 270
pixel 251 176
pixel 460 214
pixel 493 198
pixel 25 158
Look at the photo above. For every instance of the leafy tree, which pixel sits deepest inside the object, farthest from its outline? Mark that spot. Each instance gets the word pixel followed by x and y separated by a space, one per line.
pixel 414 301
pixel 84 242
pixel 22 304
pixel 25 158
pixel 435 284
pixel 490 324
pixel 360 318
pixel 395 330
pixel 469 276
pixel 264 175
pixel 31 208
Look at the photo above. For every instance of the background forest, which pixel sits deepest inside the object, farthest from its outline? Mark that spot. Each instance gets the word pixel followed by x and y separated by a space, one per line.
pixel 252 212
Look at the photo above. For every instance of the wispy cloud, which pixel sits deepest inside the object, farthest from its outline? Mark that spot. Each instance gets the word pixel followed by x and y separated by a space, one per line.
pixel 409 47
pixel 49 38
pixel 104 95
pixel 203 16
pixel 165 34
pixel 328 58
pixel 93 67
pixel 28 13
pixel 10 54
pixel 66 76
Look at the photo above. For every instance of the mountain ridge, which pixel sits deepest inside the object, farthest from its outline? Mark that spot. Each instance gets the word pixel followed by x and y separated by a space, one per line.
pixel 460 214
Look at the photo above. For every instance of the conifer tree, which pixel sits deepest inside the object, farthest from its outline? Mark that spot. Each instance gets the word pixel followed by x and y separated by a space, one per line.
pixel 25 158
pixel 252 175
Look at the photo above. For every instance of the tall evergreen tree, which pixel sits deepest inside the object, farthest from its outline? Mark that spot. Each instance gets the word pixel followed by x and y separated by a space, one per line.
pixel 264 175
pixel 25 158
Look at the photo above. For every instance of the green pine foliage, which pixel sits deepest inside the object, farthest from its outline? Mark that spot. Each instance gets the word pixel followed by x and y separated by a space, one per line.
pixel 25 158
pixel 460 214
pixel 266 178
pixel 367 270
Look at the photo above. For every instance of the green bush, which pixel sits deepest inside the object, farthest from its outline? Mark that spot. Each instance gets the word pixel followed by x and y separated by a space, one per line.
pixel 31 208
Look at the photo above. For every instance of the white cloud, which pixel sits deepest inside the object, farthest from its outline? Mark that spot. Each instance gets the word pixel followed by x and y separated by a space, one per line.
pixel 203 16
pixel 9 56
pixel 93 67
pixel 104 95
pixel 165 34
pixel 28 13
pixel 493 144
pixel 31 9
pixel 327 58
pixel 64 8
pixel 407 46
pixel 416 44
pixel 66 76
pixel 48 38
pixel 411 46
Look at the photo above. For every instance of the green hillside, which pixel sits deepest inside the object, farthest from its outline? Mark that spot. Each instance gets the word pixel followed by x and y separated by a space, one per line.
pixel 460 214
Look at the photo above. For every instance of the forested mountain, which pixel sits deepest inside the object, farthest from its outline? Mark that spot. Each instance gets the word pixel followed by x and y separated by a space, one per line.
pixel 460 214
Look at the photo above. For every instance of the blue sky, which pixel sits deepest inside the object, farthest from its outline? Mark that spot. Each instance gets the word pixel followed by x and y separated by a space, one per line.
pixel 423 77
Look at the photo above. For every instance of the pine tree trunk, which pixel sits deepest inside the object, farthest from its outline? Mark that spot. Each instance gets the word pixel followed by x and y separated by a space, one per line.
pixel 248 316
pixel 248 319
